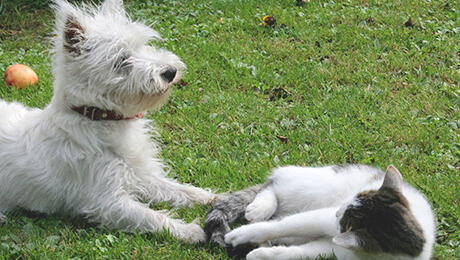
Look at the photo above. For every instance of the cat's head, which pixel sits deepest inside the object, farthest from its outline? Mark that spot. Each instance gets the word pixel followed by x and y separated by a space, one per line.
pixel 380 221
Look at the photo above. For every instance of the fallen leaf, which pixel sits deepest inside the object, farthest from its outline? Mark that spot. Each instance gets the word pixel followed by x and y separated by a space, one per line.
pixel 283 139
pixel 278 93
pixel 301 2
pixel 183 83
pixel 269 20
pixel 409 23
pixel 370 21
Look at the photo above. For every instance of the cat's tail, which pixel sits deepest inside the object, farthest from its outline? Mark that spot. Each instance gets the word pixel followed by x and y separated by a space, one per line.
pixel 226 211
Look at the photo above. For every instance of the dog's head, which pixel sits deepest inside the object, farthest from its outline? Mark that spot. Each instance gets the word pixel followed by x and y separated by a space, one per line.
pixel 102 58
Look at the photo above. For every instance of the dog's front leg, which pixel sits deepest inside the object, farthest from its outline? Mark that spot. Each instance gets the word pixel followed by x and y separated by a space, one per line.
pixel 163 189
pixel 132 216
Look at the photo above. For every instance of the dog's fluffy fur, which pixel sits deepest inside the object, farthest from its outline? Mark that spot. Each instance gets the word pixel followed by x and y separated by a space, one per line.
pixel 56 160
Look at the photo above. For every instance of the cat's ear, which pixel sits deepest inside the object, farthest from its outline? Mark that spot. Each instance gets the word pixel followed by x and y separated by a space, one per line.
pixel 393 179
pixel 347 239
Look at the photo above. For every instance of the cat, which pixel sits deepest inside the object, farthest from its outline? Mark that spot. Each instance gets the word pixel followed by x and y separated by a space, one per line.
pixel 350 211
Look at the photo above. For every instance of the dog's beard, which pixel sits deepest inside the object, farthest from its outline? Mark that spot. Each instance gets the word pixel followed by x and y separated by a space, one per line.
pixel 144 102
pixel 156 101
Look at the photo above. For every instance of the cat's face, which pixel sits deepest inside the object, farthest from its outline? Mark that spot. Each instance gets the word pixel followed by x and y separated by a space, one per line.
pixel 380 221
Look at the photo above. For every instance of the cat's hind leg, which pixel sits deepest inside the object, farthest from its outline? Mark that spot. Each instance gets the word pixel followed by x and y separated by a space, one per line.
pixel 310 224
pixel 263 207
pixel 311 250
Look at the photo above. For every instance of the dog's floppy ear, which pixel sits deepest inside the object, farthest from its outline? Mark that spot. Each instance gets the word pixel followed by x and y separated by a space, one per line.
pixel 113 7
pixel 73 35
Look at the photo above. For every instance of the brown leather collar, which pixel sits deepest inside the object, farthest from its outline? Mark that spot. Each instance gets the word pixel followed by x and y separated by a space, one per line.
pixel 96 114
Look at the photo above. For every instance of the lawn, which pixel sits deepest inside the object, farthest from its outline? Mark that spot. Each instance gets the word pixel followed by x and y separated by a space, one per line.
pixel 373 82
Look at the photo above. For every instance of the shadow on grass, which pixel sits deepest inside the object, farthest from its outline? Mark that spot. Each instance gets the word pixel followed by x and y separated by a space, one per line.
pixel 28 18
pixel 20 5
pixel 73 223
pixel 24 19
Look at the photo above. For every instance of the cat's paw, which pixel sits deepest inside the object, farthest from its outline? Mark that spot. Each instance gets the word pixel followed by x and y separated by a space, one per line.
pixel 254 233
pixel 270 253
pixel 256 212
pixel 262 253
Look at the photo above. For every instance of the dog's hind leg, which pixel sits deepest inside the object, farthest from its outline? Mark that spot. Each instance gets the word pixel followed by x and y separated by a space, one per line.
pixel 130 215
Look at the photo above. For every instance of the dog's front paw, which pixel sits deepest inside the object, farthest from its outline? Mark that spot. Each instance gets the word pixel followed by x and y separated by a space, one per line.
pixel 252 233
pixel 191 233
pixel 211 198
pixel 216 197
pixel 198 195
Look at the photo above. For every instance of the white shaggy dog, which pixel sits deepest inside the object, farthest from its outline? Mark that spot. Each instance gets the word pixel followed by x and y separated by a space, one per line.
pixel 87 153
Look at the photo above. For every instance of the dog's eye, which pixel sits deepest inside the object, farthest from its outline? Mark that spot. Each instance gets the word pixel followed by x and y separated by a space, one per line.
pixel 122 62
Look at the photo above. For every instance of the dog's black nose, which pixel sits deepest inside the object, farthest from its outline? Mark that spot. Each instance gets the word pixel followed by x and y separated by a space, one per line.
pixel 169 74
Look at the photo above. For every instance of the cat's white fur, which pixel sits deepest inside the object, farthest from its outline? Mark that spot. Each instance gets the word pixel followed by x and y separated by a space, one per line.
pixel 307 204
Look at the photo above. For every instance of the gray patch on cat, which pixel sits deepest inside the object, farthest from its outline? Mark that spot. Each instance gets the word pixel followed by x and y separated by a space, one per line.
pixel 226 211
pixel 383 222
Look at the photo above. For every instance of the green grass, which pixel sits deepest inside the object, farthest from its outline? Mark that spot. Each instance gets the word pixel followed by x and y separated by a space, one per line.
pixel 343 81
